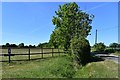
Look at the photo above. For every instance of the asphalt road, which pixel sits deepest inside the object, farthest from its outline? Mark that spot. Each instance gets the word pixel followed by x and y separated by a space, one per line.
pixel 111 57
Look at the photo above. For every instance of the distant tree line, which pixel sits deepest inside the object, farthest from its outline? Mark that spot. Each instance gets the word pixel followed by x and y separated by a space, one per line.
pixel 100 47
pixel 114 45
pixel 111 45
pixel 48 45
pixel 22 45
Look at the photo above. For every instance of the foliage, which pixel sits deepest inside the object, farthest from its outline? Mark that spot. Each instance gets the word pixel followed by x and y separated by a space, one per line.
pixel 114 45
pixel 32 46
pixel 44 45
pixel 9 45
pixel 54 39
pixel 58 67
pixel 99 47
pixel 64 68
pixel 81 50
pixel 109 50
pixel 69 21
pixel 21 45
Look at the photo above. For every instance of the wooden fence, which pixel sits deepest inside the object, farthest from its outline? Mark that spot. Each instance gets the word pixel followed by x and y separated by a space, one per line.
pixel 10 54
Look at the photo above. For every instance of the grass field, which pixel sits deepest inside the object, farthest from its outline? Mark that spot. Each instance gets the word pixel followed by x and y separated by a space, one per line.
pixel 59 67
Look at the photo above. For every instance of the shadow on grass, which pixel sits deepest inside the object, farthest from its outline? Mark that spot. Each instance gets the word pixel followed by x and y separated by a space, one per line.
pixel 93 59
pixel 96 59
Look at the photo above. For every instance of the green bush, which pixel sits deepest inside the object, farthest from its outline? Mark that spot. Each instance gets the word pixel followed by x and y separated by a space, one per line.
pixel 117 49
pixel 80 50
pixel 99 47
pixel 110 50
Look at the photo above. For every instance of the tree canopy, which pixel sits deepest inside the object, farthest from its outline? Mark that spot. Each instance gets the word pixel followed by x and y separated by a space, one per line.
pixel 99 47
pixel 21 45
pixel 114 45
pixel 70 21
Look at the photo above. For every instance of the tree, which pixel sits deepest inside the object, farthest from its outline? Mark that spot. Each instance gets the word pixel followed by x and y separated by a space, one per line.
pixel 44 45
pixel 72 25
pixel 32 46
pixel 21 45
pixel 70 21
pixel 13 45
pixel 114 45
pixel 118 45
pixel 39 45
pixel 7 45
pixel 99 47
pixel 55 39
pixel 81 50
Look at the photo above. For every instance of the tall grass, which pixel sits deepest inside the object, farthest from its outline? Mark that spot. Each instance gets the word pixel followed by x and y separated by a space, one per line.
pixel 103 69
pixel 59 67
pixel 47 68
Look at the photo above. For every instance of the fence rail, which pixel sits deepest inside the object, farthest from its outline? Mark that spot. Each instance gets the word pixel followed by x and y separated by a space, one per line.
pixel 9 53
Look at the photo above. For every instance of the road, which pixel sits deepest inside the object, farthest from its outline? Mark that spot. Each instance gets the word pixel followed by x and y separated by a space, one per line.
pixel 111 57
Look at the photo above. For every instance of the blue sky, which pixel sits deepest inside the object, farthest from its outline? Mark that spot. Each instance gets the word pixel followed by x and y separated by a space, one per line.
pixel 31 23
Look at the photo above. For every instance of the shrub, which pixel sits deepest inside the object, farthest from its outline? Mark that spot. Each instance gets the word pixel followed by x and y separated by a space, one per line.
pixel 114 45
pixel 110 50
pixel 99 47
pixel 80 50
pixel 117 49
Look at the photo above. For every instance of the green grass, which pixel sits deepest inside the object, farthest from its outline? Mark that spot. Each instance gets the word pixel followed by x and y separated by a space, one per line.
pixel 103 69
pixel 45 68
pixel 59 67
pixel 117 53
pixel 92 49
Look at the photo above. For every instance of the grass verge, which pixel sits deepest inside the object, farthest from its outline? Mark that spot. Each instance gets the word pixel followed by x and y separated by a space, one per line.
pixel 103 69
pixel 59 67
pixel 117 53
pixel 47 68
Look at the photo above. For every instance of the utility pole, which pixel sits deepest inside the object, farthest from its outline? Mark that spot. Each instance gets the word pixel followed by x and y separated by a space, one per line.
pixel 96 37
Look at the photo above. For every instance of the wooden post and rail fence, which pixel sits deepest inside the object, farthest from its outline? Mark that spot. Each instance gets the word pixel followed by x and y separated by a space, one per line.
pixel 10 54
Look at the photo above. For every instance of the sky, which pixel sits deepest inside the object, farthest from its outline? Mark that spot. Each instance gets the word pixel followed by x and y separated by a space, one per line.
pixel 31 22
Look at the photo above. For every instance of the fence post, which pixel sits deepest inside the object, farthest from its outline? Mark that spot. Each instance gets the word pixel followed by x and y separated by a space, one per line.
pixel 58 51
pixel 29 54
pixel 52 52
pixel 42 52
pixel 9 52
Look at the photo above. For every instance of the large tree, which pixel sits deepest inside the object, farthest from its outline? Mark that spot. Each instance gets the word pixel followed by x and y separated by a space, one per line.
pixel 70 21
